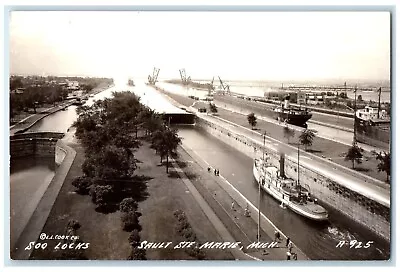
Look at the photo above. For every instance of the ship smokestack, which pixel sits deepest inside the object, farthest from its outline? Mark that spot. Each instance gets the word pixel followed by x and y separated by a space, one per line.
pixel 286 102
pixel 282 165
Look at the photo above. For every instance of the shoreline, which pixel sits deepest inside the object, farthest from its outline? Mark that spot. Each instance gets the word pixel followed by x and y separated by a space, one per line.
pixel 28 122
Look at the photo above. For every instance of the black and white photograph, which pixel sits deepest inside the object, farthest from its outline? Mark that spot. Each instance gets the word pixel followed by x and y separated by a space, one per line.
pixel 259 135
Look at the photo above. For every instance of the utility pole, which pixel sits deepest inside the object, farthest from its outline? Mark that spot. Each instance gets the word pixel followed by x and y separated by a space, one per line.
pixel 379 100
pixel 355 109
pixel 259 192
pixel 298 163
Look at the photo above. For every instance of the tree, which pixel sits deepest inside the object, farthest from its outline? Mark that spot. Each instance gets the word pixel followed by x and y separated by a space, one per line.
pixel 354 154
pixel 15 83
pixel 213 108
pixel 288 133
pixel 82 184
pixel 130 221
pixel 306 138
pixel 110 163
pixel 134 238
pixel 166 141
pixel 384 164
pixel 252 119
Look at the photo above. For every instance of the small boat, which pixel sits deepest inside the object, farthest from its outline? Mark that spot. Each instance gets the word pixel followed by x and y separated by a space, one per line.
pixel 288 192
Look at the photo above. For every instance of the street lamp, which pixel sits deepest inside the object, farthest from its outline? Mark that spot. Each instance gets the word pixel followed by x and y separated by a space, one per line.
pixel 259 191
pixel 298 163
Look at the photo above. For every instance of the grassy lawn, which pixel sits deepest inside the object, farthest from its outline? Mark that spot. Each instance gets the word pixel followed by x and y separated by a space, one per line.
pixel 168 194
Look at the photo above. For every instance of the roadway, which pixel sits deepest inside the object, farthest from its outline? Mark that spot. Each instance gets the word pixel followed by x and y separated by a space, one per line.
pixel 336 172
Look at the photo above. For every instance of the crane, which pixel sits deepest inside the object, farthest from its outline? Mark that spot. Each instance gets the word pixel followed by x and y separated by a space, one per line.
pixel 153 79
pixel 225 87
pixel 185 80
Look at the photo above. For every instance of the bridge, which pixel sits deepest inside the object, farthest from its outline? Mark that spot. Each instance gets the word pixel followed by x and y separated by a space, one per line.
pixel 170 113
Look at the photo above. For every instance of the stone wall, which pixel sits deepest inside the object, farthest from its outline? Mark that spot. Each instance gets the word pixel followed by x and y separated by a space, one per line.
pixel 369 213
pixel 41 144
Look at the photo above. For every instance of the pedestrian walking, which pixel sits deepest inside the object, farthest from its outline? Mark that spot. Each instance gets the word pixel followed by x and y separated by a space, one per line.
pixel 287 241
pixel 277 235
pixel 233 205
pixel 246 210
pixel 215 172
pixel 209 169
pixel 290 246
pixel 288 254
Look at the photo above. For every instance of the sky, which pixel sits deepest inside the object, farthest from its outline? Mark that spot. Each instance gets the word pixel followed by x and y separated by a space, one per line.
pixel 233 45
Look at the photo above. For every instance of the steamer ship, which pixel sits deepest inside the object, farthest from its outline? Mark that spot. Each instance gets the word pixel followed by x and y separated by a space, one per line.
pixel 287 191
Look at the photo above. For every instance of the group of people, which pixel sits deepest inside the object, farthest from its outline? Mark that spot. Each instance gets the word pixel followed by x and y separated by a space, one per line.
pixel 289 246
pixel 289 253
pixel 216 171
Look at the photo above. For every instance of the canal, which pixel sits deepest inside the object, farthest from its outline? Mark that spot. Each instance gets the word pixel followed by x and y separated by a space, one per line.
pixel 318 241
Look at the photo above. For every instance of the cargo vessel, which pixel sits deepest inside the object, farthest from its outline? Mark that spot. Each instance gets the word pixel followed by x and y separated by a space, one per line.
pixel 292 115
pixel 372 127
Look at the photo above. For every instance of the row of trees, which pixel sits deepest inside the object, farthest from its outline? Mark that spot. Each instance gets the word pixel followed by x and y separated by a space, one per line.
pixel 34 96
pixel 108 130
pixel 43 90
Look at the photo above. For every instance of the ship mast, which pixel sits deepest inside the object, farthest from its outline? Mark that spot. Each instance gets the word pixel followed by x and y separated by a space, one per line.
pixel 379 100
pixel 298 164
pixel 355 110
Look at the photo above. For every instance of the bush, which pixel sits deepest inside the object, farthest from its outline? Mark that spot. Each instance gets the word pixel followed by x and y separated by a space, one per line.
pixel 73 224
pixel 181 217
pixel 128 205
pixel 82 185
pixel 130 222
pixel 178 212
pixel 137 254
pixel 138 214
pixel 189 234
pixel 88 168
pixel 195 252
pixel 181 226
pixel 134 238
pixel 101 194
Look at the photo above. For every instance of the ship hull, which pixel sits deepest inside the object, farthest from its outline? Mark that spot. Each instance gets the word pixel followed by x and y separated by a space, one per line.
pixel 293 119
pixel 282 198
pixel 372 134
